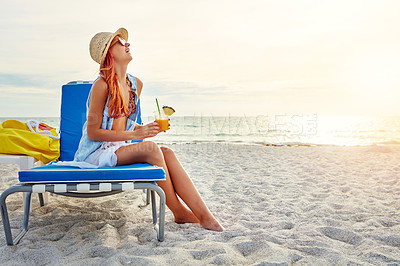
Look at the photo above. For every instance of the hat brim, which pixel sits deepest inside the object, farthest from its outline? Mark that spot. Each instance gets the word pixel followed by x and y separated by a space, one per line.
pixel 121 32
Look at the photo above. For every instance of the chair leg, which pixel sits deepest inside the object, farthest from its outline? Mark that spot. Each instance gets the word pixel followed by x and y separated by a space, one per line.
pixel 27 209
pixel 4 213
pixel 41 199
pixel 162 217
pixel 147 196
pixel 161 221
pixel 6 221
pixel 153 206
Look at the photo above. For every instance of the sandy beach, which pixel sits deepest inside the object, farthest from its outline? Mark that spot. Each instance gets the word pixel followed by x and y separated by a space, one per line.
pixel 279 205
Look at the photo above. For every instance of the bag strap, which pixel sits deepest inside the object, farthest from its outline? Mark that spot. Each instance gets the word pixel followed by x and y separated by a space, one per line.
pixel 36 129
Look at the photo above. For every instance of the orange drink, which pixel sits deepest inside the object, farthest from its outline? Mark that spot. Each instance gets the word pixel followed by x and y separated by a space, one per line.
pixel 162 120
pixel 163 123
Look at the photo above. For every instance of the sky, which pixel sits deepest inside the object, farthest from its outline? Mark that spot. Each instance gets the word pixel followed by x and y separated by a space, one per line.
pixel 242 57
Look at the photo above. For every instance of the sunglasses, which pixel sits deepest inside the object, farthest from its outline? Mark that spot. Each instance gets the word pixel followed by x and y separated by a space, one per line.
pixel 121 41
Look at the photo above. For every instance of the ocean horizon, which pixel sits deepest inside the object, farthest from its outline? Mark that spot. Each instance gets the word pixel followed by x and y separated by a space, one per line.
pixel 271 130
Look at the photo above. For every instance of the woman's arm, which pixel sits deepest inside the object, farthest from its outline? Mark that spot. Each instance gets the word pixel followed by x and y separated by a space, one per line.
pixel 98 98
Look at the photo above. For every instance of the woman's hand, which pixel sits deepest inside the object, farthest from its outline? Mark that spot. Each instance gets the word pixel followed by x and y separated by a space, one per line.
pixel 137 126
pixel 146 131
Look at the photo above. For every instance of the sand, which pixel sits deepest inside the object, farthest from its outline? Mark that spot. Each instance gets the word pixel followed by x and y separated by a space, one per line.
pixel 279 205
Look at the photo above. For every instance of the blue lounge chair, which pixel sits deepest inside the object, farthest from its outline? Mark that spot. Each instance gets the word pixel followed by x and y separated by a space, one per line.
pixel 84 183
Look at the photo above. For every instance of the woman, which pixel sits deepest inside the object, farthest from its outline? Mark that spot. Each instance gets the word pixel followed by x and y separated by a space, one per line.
pixel 111 121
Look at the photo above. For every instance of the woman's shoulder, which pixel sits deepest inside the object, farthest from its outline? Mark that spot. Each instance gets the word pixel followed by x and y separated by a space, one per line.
pixel 139 83
pixel 139 86
pixel 100 86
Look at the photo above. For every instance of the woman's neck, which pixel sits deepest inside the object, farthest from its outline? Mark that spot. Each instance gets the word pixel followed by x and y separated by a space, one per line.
pixel 120 70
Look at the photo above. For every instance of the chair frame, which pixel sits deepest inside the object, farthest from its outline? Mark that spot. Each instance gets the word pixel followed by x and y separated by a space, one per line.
pixel 81 190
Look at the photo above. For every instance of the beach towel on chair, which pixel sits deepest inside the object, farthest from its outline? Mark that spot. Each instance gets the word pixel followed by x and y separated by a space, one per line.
pixel 32 138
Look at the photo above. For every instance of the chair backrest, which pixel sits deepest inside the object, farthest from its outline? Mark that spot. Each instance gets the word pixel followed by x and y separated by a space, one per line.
pixel 73 115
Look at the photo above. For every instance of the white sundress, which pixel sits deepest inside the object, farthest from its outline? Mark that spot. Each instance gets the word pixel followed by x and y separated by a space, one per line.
pixel 105 155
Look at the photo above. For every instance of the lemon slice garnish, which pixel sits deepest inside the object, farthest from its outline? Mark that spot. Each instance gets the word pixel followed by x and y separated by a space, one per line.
pixel 168 110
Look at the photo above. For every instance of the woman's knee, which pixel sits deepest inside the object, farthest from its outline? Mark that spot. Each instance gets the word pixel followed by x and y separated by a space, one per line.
pixel 167 151
pixel 149 147
pixel 152 152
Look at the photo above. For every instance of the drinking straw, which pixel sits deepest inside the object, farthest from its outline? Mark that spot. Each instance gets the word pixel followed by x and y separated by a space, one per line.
pixel 158 107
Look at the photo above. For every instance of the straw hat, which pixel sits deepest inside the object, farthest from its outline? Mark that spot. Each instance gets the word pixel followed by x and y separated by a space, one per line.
pixel 101 42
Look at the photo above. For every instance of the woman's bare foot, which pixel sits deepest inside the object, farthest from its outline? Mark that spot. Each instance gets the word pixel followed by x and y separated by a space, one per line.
pixel 212 225
pixel 185 216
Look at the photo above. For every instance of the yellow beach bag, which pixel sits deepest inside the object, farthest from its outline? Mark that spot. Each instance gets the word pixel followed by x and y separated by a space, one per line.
pixel 31 138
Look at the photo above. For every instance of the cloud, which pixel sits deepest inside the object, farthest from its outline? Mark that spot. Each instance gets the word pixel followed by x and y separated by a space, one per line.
pixel 29 101
pixel 26 92
pixel 222 52
pixel 31 82
pixel 20 80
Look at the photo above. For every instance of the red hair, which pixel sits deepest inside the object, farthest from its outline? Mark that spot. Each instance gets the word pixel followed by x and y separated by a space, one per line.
pixel 116 106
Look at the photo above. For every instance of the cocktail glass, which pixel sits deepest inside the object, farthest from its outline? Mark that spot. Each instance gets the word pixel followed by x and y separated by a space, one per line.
pixel 162 120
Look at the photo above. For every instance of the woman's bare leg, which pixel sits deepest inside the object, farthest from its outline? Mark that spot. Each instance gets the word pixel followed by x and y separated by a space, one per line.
pixel 186 190
pixel 149 152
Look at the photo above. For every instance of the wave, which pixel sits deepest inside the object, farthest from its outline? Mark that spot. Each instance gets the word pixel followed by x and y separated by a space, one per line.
pixel 191 126
pixel 226 134
pixel 275 144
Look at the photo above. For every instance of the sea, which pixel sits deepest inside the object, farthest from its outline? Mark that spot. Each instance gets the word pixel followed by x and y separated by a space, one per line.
pixel 272 130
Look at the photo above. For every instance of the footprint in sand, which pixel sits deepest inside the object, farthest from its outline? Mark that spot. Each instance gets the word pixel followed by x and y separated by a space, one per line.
pixel 341 235
pixel 390 240
pixel 202 254
pixel 250 247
